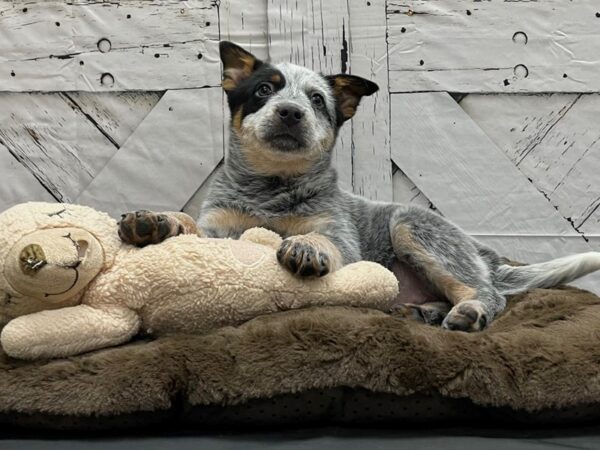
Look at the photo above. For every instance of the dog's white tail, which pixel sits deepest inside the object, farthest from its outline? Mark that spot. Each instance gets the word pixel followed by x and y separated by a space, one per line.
pixel 515 279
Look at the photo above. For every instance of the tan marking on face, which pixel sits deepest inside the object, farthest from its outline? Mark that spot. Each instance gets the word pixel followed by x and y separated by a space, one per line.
pixel 292 224
pixel 267 162
pixel 454 290
pixel 322 245
pixel 231 219
pixel 276 78
pixel 237 121
pixel 228 84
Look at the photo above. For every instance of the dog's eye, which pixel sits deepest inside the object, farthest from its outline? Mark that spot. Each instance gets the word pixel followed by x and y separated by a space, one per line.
pixel 317 100
pixel 264 90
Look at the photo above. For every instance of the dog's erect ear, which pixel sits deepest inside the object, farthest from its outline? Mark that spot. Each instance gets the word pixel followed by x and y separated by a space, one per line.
pixel 238 64
pixel 348 90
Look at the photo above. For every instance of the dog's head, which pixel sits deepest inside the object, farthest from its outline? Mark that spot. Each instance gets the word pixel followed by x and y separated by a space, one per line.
pixel 286 117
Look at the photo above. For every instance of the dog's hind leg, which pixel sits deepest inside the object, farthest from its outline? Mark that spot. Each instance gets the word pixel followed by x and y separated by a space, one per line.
pixel 448 259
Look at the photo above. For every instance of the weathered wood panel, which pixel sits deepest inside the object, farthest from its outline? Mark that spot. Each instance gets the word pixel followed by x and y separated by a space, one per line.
pixel 17 183
pixel 554 141
pixel 115 114
pixel 371 163
pixel 493 46
pixel 405 191
pixel 108 46
pixel 166 159
pixel 463 173
pixel 54 140
pixel 472 183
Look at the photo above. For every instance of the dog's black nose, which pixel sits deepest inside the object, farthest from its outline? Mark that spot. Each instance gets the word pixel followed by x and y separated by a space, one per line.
pixel 289 114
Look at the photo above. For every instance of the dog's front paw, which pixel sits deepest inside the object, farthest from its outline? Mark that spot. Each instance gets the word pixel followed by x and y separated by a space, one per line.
pixel 470 315
pixel 301 257
pixel 142 228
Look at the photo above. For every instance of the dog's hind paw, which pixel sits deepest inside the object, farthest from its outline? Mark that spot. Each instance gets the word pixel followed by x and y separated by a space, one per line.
pixel 469 316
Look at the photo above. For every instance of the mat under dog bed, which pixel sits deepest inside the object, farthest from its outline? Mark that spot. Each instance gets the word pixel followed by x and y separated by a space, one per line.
pixel 538 362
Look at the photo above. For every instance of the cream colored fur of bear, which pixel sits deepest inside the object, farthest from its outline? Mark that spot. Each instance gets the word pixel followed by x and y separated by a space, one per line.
pixel 68 285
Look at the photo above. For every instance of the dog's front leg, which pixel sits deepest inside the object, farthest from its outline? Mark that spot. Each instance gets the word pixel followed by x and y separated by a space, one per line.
pixel 315 254
pixel 143 228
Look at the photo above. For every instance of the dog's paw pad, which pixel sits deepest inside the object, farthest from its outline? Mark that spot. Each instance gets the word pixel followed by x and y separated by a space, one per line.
pixel 302 258
pixel 467 316
pixel 142 228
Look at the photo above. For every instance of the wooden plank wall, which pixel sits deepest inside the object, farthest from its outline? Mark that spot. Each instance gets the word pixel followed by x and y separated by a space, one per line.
pixel 487 111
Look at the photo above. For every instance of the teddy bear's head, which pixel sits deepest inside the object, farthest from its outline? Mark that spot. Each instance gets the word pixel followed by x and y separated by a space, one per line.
pixel 49 253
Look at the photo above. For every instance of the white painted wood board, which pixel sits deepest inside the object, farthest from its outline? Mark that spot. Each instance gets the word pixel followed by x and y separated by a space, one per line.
pixel 115 114
pixel 64 46
pixel 463 173
pixel 555 141
pixel 54 140
pixel 371 163
pixel 17 183
pixel 166 159
pixel 494 46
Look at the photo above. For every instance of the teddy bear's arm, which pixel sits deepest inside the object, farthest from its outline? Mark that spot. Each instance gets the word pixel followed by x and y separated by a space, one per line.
pixel 262 236
pixel 68 331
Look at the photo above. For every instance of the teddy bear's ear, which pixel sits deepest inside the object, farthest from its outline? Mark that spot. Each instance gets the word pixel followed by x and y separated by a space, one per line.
pixel 238 64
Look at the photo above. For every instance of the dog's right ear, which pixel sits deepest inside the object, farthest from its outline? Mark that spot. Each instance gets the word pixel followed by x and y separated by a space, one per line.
pixel 238 64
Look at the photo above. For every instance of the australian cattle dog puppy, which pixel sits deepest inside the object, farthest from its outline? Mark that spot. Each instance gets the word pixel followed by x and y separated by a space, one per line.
pixel 278 175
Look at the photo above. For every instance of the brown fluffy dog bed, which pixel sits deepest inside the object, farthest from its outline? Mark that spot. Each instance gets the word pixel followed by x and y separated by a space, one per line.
pixel 538 362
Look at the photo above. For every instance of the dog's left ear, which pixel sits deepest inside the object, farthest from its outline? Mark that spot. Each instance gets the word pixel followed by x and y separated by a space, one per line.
pixel 238 64
pixel 348 90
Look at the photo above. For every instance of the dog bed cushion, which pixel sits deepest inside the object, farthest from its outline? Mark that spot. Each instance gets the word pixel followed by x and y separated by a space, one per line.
pixel 538 362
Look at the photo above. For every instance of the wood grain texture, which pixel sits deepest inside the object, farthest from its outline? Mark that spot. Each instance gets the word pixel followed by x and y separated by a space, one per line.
pixel 493 46
pixel 141 45
pixel 406 192
pixel 554 141
pixel 115 114
pixel 371 163
pixel 314 34
pixel 54 140
pixel 463 173
pixel 166 159
pixel 18 183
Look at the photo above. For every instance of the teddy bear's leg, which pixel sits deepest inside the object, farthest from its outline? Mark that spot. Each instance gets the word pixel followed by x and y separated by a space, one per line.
pixel 142 228
pixel 68 331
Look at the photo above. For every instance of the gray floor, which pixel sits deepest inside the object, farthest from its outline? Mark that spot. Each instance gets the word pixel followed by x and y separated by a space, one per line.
pixel 332 438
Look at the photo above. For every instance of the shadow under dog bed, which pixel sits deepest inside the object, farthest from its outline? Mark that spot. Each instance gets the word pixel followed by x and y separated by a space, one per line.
pixel 539 362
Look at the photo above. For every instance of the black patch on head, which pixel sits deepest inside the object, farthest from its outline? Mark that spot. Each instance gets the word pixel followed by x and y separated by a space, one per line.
pixel 244 97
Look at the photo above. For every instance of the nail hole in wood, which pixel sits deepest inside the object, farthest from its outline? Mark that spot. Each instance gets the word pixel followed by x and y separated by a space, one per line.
pixel 521 71
pixel 208 24
pixel 81 63
pixel 104 45
pixel 12 73
pixel 57 24
pixel 170 108
pixel 506 83
pixel 402 30
pixel 468 12
pixel 597 14
pixel 200 55
pixel 157 55
pixel 107 80
pixel 520 37
pixel 128 16
pixel 368 3
pixel 565 75
pixel 421 62
pixel 24 10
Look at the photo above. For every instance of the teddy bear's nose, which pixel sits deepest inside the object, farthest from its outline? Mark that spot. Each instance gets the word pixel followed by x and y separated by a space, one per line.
pixel 32 259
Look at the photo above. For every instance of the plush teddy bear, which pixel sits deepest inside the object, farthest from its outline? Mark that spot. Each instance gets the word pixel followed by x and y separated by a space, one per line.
pixel 69 285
